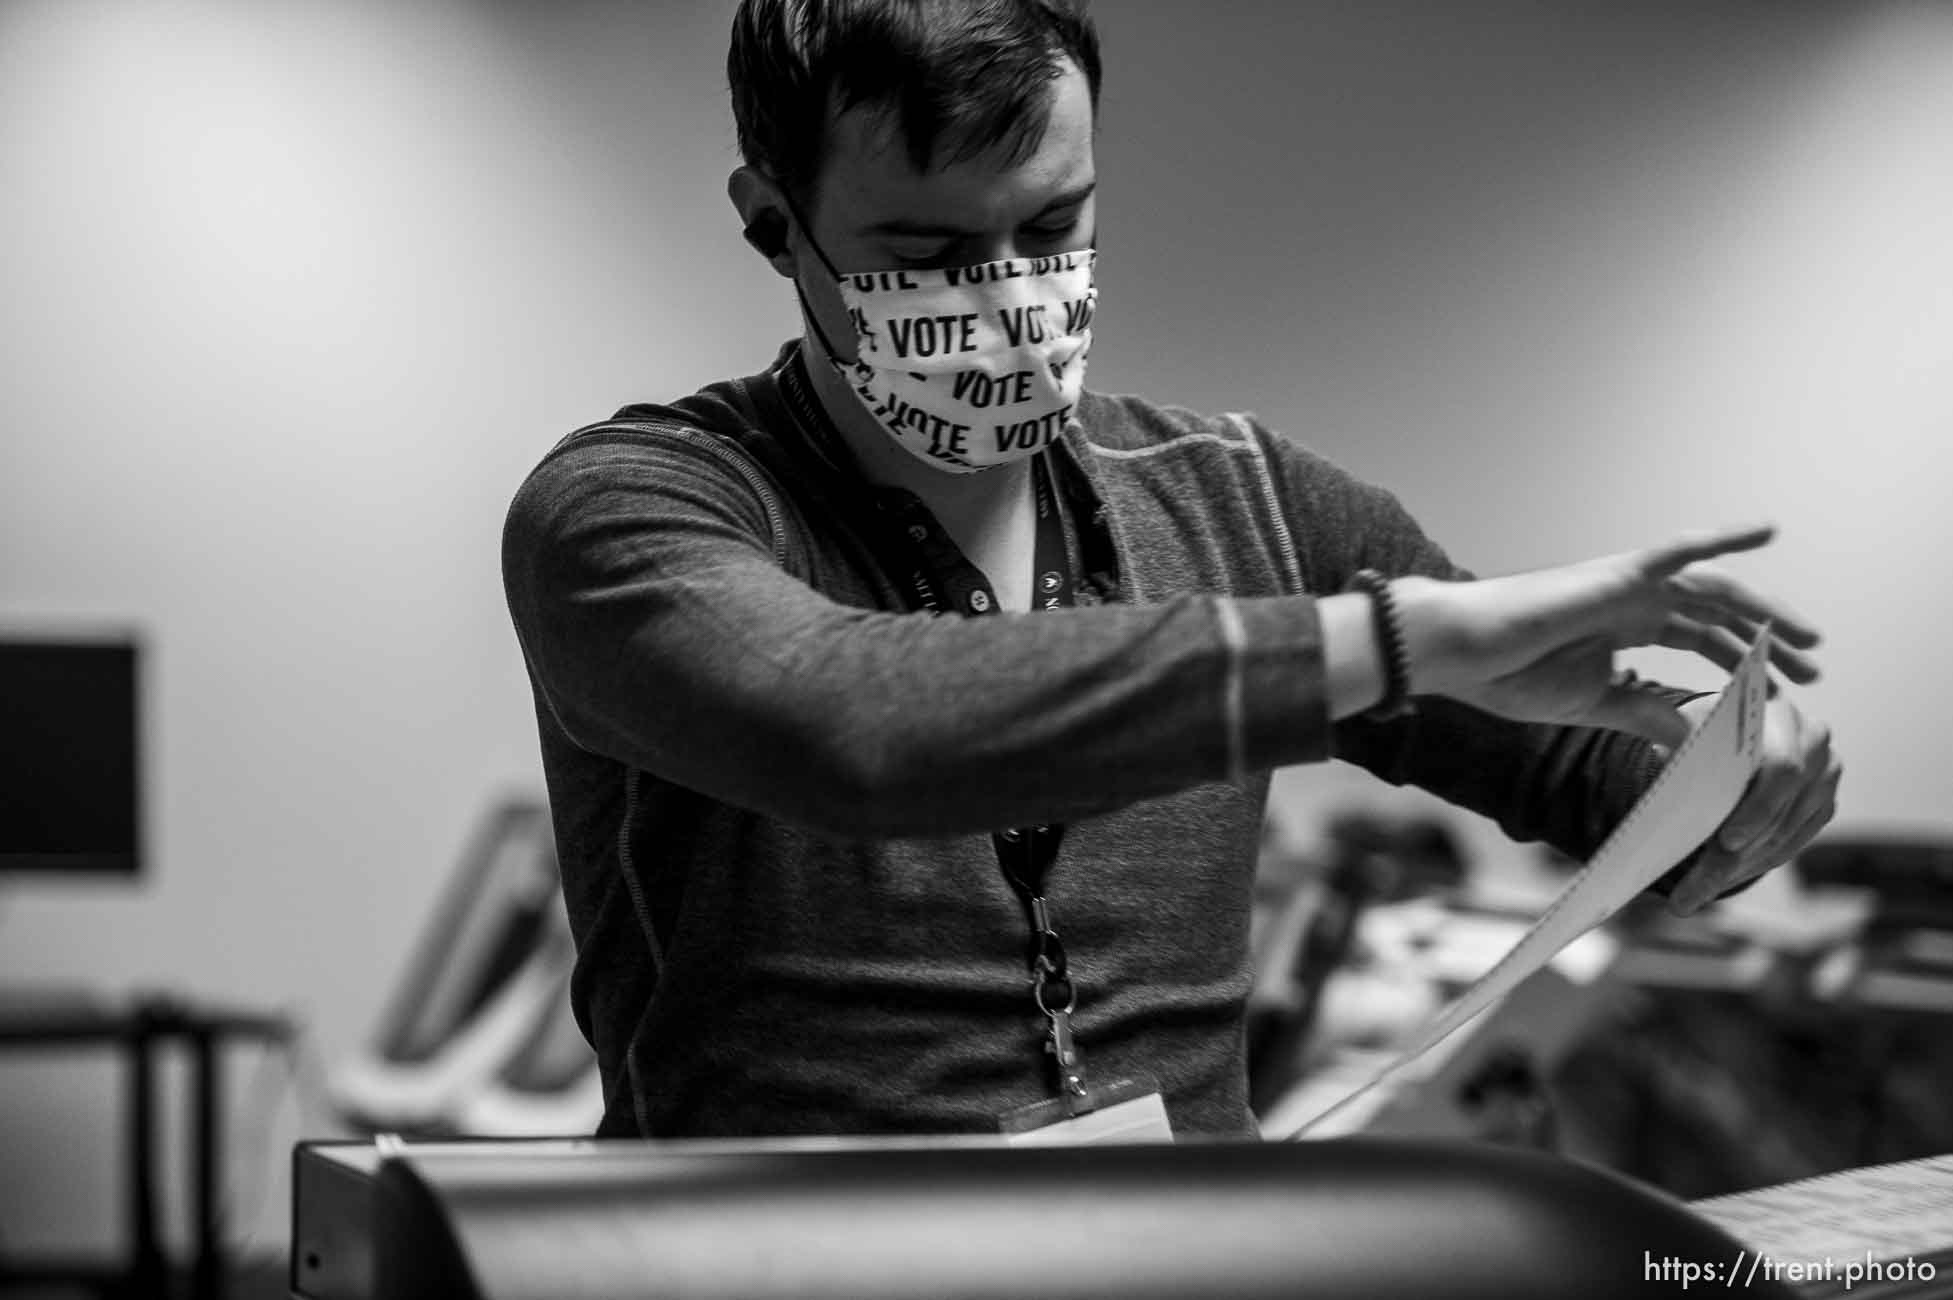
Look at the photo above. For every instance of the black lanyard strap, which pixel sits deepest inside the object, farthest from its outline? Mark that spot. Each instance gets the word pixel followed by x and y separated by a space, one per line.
pixel 941 579
pixel 1026 853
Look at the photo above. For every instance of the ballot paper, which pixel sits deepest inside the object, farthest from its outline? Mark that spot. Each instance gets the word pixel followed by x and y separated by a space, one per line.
pixel 1696 790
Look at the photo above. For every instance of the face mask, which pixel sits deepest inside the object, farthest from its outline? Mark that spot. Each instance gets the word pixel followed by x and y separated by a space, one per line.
pixel 971 367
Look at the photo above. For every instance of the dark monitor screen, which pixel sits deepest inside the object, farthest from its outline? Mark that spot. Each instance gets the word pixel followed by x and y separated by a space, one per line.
pixel 70 769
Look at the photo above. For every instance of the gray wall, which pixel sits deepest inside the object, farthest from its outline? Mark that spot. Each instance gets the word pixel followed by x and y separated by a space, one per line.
pixel 295 292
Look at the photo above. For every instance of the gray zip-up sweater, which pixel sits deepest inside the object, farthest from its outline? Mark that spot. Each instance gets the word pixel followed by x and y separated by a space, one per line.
pixel 773 784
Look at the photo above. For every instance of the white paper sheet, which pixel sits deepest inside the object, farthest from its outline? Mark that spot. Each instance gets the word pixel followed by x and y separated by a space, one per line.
pixel 1695 792
pixel 1881 1212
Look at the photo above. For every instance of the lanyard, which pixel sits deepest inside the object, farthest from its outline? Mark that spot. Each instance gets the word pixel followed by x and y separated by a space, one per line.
pixel 941 579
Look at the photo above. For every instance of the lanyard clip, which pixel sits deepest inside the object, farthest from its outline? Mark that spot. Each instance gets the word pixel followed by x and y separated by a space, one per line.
pixel 1064 1050
pixel 1063 1047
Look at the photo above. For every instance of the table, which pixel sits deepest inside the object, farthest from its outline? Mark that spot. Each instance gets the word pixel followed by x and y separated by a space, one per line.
pixel 141 1026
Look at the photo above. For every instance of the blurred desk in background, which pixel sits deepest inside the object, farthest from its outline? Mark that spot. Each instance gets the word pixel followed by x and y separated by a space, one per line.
pixel 60 1017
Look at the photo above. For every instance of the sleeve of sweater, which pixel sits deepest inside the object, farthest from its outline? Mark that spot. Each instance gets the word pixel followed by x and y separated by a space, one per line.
pixel 1568 786
pixel 661 631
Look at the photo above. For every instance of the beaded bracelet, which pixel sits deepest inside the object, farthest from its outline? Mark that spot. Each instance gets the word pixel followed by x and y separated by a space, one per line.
pixel 1396 701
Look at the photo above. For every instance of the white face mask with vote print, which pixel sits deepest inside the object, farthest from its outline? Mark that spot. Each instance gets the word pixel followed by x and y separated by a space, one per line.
pixel 972 367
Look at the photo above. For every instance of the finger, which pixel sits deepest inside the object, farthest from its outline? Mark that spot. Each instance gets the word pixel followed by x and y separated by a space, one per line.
pixel 1639 713
pixel 1714 874
pixel 1765 805
pixel 1716 586
pixel 1723 872
pixel 1717 871
pixel 1718 645
pixel 1785 847
pixel 1720 868
pixel 1796 665
pixel 1814 807
pixel 1668 558
pixel 1811 827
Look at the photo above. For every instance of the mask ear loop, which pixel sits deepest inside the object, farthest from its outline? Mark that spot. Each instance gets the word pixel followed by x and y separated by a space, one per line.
pixel 814 320
pixel 807 232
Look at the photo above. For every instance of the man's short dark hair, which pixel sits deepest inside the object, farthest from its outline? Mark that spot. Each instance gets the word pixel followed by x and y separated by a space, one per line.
pixel 959 77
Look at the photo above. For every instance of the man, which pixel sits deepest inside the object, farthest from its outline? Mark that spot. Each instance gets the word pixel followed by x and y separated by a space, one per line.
pixel 907 709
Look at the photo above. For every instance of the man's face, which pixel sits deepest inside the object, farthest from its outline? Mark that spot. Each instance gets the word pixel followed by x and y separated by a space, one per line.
pixel 873 211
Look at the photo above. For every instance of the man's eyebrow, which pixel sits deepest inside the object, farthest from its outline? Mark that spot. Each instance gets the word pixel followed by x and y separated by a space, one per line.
pixel 935 229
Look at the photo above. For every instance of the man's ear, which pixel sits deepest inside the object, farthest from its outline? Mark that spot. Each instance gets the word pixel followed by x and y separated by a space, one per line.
pixel 762 217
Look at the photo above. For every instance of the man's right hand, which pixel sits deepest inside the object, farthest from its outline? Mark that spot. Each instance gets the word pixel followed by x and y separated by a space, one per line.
pixel 1539 646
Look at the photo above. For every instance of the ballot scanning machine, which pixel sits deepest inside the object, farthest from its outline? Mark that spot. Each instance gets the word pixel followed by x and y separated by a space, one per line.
pixel 875 1219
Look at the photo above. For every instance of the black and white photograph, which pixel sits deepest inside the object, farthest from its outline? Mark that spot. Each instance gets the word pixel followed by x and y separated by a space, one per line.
pixel 899 649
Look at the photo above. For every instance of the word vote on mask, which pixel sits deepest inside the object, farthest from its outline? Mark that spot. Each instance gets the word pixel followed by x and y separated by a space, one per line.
pixel 977 366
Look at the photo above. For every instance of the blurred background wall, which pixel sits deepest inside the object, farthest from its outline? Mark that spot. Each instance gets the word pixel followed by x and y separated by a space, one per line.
pixel 296 291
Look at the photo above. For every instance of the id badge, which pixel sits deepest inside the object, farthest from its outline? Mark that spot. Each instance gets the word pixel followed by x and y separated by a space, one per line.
pixel 1124 1110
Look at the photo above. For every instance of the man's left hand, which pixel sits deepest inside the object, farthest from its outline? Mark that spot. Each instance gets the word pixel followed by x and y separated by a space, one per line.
pixel 1792 796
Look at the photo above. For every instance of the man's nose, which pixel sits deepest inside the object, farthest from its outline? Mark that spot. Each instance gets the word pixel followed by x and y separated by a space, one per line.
pixel 992 248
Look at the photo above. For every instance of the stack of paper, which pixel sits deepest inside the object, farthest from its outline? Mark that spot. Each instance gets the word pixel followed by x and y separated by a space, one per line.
pixel 1882 1224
